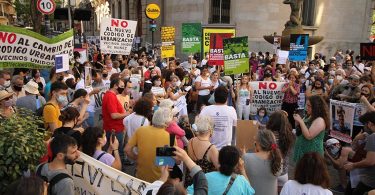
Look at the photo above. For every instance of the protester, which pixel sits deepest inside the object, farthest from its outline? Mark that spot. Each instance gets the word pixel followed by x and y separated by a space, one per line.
pixel 69 118
pixel 64 152
pixel 264 166
pixel 37 78
pixel 141 116
pixel 368 97
pixel 231 178
pixel 147 139
pixel 200 149
pixel 224 117
pixel 94 139
pixel 310 177
pixel 244 95
pixel 204 86
pixel 17 87
pixel 51 111
pixel 5 80
pixel 262 117
pixel 291 91
pixel 6 104
pixel 32 101
pixel 157 88
pixel 311 129
pixel 348 92
pixel 125 97
pixel 317 88
pixel 280 126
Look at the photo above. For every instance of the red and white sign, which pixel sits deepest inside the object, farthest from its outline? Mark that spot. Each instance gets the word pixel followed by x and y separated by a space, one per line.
pixel 46 6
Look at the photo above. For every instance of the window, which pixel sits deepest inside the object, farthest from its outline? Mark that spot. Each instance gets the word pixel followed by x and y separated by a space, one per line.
pixel 119 10
pixel 220 11
pixel 308 12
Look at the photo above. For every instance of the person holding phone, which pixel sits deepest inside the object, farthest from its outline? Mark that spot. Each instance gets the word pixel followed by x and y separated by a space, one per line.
pixel 93 139
pixel 244 94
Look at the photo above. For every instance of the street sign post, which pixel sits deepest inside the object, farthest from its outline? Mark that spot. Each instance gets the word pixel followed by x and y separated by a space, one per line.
pixel 46 6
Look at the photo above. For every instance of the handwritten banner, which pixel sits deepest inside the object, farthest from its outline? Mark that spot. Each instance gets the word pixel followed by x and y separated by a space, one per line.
pixel 94 177
pixel 266 94
pixel 21 48
pixel 117 36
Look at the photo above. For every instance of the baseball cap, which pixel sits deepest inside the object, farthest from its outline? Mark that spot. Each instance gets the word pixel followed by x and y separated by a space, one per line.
pixel 332 141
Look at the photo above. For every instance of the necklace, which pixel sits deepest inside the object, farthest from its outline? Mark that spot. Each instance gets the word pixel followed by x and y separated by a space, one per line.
pixel 202 139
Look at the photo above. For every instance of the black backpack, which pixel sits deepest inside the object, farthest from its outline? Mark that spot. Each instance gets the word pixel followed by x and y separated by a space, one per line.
pixel 39 111
pixel 54 180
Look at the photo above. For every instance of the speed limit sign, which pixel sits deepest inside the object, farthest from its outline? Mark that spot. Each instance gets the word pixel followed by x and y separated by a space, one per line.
pixel 46 6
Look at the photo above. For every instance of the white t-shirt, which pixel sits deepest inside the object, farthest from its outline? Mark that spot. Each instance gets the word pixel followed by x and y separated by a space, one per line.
pixel 204 83
pixel 293 187
pixel 133 122
pixel 224 117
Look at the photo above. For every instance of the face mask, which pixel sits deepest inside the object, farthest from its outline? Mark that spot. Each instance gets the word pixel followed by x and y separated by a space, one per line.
pixel 194 65
pixel 17 88
pixel 334 151
pixel 330 81
pixel 339 78
pixel 6 84
pixel 267 74
pixel 316 57
pixel 110 65
pixel 155 108
pixel 261 114
pixel 78 60
pixel 37 75
pixel 178 83
pixel 62 100
pixel 8 103
pixel 157 83
pixel 332 72
pixel 127 77
pixel 68 161
pixel 105 75
pixel 61 78
pixel 120 90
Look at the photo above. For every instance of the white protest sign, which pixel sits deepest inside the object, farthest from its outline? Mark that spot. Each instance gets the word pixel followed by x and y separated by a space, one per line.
pixel 62 63
pixel 342 118
pixel 117 36
pixel 266 94
pixel 282 56
pixel 98 98
pixel 94 177
pixel 158 91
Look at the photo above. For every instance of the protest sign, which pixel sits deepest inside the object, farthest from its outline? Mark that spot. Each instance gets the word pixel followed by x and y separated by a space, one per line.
pixel 217 48
pixel 246 131
pixel 360 109
pixel 168 51
pixel 367 51
pixel 282 56
pixel 83 53
pixel 117 36
pixel 206 36
pixel 266 94
pixel 91 176
pixel 342 117
pixel 191 38
pixel 62 63
pixel 236 55
pixel 136 81
pixel 301 101
pixel 299 44
pixel 21 48
pixel 167 37
pixel 276 42
pixel 98 98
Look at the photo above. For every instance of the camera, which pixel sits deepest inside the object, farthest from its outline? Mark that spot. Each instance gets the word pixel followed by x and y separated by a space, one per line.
pixel 165 151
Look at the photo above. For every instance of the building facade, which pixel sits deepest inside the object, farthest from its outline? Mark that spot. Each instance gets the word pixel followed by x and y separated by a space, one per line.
pixel 343 23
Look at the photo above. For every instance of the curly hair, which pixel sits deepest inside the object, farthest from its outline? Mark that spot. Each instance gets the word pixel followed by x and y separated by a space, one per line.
pixel 319 108
pixel 68 114
pixel 90 139
pixel 143 107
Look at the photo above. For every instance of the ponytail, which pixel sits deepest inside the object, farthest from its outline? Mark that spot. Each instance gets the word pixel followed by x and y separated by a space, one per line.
pixel 276 159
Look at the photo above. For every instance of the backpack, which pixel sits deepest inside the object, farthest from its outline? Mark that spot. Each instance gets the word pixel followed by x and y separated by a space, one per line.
pixel 54 180
pixel 39 113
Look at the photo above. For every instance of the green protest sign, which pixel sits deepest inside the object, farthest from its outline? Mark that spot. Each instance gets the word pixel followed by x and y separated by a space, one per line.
pixel 191 38
pixel 236 55
pixel 21 48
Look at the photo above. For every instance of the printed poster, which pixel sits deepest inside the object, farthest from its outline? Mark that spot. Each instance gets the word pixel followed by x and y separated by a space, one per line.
pixel 21 48
pixel 206 36
pixel 117 36
pixel 168 48
pixel 266 94
pixel 282 56
pixel 191 38
pixel 216 54
pixel 276 42
pixel 299 44
pixel 91 176
pixel 98 98
pixel 342 119
pixel 236 55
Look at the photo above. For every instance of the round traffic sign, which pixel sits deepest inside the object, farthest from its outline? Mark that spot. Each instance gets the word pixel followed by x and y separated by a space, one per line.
pixel 152 11
pixel 46 6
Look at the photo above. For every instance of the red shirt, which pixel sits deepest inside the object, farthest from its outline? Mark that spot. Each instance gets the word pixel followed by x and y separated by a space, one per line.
pixel 112 105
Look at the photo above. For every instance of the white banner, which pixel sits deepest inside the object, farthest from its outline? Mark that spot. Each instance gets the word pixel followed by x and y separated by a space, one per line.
pixel 94 177
pixel 266 94
pixel 21 48
pixel 342 119
pixel 117 36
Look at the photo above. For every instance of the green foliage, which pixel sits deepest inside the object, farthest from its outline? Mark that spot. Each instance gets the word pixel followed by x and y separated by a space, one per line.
pixel 21 146
pixel 23 11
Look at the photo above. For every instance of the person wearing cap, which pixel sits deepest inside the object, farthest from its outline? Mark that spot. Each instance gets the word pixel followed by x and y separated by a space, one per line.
pixel 33 100
pixel 347 92
pixel 367 178
pixel 6 104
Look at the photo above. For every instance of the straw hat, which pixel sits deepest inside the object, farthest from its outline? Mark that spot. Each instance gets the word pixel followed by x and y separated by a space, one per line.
pixel 32 87
pixel 4 94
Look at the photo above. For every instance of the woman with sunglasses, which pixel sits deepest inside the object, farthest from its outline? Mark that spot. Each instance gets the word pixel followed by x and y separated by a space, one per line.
pixel 6 105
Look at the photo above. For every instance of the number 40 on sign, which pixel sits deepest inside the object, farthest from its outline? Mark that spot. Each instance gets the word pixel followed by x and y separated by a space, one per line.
pixel 46 6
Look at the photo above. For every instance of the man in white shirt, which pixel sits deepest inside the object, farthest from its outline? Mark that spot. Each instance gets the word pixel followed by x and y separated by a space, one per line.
pixel 358 65
pixel 225 118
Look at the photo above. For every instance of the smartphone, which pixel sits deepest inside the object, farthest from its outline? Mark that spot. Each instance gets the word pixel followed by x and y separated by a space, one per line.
pixel 113 135
pixel 165 151
pixel 164 161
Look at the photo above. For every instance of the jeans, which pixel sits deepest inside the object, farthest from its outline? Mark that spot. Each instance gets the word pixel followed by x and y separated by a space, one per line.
pixel 91 119
pixel 120 138
pixel 243 111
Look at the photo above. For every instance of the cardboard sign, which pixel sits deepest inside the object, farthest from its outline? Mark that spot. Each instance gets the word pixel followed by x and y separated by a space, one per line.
pixel 236 55
pixel 367 51
pixel 117 36
pixel 299 44
pixel 246 131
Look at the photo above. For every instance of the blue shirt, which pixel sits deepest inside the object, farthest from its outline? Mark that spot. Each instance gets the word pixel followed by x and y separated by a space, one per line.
pixel 47 90
pixel 217 183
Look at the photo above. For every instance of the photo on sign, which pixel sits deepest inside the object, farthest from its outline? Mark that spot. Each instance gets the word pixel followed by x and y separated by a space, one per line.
pixel 342 118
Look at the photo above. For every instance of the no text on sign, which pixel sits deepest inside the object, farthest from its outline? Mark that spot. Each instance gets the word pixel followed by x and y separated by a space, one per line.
pixel 152 11
pixel 46 6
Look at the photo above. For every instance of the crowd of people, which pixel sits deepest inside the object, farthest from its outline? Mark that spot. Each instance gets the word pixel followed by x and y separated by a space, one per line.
pixel 144 102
